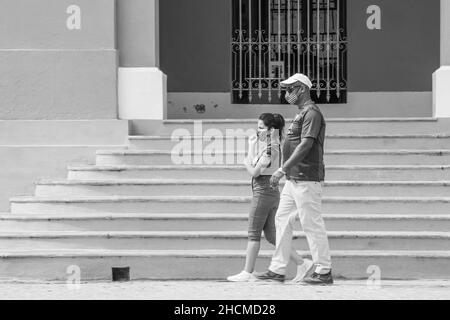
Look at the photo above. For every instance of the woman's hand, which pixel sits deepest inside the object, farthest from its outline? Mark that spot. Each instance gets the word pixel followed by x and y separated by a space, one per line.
pixel 252 140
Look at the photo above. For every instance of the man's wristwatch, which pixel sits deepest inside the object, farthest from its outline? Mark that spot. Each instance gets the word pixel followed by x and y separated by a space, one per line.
pixel 281 171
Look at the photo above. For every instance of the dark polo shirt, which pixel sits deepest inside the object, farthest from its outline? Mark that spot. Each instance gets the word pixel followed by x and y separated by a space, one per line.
pixel 310 123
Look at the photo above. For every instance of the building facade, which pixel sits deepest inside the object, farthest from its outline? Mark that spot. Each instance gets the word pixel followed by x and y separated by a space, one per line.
pixel 388 51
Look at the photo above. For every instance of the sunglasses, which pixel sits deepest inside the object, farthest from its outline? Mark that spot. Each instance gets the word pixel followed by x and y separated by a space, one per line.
pixel 292 88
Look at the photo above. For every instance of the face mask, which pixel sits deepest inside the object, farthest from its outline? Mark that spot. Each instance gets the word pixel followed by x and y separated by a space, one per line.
pixel 292 97
pixel 262 135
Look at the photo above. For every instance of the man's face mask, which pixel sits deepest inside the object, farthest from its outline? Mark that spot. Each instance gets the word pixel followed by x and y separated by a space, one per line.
pixel 292 95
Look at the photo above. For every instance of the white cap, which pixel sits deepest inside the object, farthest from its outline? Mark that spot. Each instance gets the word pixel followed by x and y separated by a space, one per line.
pixel 298 77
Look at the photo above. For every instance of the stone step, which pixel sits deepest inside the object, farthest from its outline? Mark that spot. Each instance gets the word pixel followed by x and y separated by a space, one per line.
pixel 347 157
pixel 364 126
pixel 23 165
pixel 332 142
pixel 210 264
pixel 333 173
pixel 209 222
pixel 223 204
pixel 215 240
pixel 199 187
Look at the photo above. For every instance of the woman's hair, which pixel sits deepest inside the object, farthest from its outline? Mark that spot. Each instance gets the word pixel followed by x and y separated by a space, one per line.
pixel 274 121
pixel 268 120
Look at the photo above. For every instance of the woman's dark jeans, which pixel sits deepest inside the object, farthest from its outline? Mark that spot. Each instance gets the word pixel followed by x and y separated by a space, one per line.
pixel 264 207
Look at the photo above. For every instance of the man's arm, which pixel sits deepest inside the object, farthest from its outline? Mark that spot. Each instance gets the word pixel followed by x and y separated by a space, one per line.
pixel 299 153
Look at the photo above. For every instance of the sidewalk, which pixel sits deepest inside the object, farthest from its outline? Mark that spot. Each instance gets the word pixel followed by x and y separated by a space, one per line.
pixel 217 290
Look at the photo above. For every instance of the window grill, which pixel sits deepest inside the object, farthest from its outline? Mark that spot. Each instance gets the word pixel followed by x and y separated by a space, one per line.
pixel 273 39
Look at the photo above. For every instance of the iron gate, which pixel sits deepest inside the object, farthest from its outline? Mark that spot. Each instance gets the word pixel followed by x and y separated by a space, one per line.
pixel 273 39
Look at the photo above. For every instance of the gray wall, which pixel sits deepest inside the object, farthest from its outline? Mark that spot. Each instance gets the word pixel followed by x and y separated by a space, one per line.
pixel 183 105
pixel 31 24
pixel 50 72
pixel 136 32
pixel 195 45
pixel 57 84
pixel 400 57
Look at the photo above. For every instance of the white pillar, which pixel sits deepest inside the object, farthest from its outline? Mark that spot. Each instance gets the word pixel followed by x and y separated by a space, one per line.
pixel 441 78
pixel 143 90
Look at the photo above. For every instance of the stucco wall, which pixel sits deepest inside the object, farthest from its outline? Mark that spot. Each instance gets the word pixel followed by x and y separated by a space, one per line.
pixel 51 71
pixel 138 32
pixel 403 54
pixel 58 84
pixel 31 24
pixel 397 61
pixel 217 105
pixel 195 45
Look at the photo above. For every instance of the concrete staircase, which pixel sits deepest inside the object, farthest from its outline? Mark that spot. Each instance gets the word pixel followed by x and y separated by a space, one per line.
pixel 386 203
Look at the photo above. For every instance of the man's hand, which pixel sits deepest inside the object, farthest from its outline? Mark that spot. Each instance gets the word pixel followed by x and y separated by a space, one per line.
pixel 275 179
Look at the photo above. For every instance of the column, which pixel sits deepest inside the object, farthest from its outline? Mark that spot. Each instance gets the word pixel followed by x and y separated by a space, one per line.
pixel 142 85
pixel 441 78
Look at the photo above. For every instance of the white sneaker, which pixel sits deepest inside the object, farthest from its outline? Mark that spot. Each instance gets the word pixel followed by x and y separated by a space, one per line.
pixel 302 270
pixel 244 276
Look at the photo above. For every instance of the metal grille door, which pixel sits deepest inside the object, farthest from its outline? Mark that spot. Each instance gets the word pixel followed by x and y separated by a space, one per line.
pixel 273 39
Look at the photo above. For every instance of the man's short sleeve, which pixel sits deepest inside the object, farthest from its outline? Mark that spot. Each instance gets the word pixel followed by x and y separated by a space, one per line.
pixel 312 124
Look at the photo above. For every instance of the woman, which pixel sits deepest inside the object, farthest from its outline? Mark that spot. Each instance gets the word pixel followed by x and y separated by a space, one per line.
pixel 264 158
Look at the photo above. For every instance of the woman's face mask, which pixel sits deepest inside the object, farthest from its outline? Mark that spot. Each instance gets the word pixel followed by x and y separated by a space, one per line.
pixel 263 131
pixel 262 135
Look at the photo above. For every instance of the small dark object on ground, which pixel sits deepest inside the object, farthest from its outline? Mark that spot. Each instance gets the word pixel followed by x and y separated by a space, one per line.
pixel 121 274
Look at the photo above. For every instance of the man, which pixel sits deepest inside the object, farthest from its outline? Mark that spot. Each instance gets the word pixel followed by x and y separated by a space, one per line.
pixel 302 194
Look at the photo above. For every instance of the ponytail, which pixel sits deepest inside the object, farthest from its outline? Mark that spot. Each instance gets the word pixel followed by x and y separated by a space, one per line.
pixel 279 123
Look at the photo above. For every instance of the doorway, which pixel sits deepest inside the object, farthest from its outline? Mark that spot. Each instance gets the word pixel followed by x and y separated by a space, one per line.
pixel 273 39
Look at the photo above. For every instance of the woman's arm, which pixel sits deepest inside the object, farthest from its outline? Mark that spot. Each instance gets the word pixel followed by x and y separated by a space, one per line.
pixel 250 156
pixel 263 162
pixel 256 171
pixel 251 147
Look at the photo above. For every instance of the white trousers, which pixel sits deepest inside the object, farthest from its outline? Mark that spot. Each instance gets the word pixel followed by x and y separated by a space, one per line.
pixel 305 200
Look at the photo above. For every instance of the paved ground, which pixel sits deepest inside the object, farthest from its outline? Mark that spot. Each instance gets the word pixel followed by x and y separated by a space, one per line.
pixel 173 290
